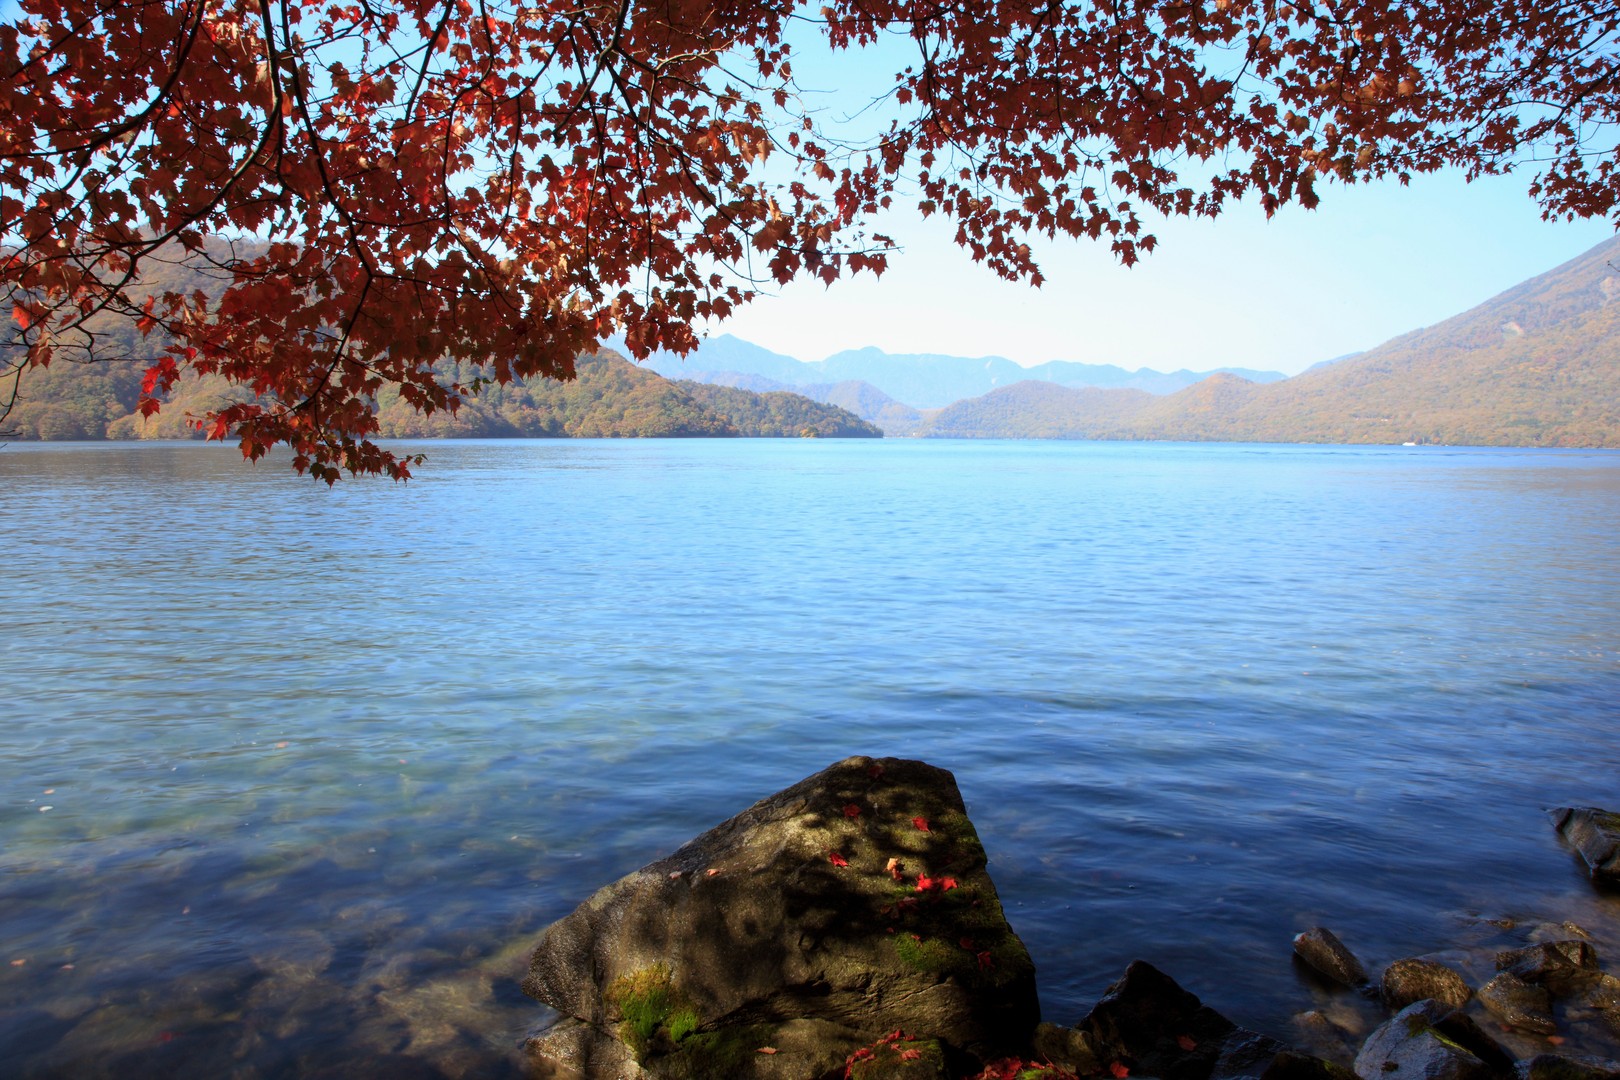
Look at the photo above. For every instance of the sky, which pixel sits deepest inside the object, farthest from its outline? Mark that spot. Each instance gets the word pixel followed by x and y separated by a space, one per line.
pixel 1370 263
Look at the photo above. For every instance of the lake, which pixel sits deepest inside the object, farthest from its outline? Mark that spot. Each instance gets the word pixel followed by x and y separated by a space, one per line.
pixel 290 778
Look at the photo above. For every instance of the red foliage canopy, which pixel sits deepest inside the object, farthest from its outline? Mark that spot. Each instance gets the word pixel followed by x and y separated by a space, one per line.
pixel 378 184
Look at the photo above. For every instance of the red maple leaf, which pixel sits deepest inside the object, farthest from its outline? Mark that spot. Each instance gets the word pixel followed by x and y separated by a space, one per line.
pixel 837 859
pixel 921 823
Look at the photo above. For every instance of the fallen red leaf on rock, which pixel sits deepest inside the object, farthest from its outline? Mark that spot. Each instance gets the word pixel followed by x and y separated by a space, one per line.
pixel 1120 1072
pixel 837 859
pixel 1186 1042
pixel 921 823
pixel 766 1050
pixel 910 1055
pixel 852 810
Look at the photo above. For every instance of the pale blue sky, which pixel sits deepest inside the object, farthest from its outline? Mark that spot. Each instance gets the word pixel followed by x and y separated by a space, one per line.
pixel 1371 262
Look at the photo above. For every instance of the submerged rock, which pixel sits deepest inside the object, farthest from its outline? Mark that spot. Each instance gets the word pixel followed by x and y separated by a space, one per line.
pixel 1564 967
pixel 1328 957
pixel 1418 979
pixel 852 904
pixel 1519 1004
pixel 1595 836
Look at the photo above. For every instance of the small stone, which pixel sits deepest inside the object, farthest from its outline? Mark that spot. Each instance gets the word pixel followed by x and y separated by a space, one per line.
pixel 1563 967
pixel 1328 957
pixel 1595 836
pixel 1603 994
pixel 1417 979
pixel 1519 1004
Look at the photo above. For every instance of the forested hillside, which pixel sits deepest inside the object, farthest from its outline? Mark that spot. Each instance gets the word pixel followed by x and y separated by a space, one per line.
pixel 610 398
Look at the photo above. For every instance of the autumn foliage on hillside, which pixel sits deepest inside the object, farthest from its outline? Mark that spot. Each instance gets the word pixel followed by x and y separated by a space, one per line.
pixel 376 186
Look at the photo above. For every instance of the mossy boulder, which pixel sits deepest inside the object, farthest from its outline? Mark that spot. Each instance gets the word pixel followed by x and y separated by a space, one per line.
pixel 851 905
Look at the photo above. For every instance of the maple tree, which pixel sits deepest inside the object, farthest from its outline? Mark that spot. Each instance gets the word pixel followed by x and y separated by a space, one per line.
pixel 372 186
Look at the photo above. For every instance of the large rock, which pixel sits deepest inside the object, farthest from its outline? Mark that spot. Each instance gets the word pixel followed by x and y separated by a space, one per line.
pixel 853 904
pixel 1429 1040
pixel 1595 836
pixel 1418 978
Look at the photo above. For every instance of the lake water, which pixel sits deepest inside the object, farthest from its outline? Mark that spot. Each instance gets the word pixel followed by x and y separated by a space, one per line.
pixel 290 777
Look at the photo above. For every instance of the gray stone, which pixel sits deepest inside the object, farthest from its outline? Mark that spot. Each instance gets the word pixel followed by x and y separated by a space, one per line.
pixel 1417 979
pixel 1519 1004
pixel 1411 1047
pixel 1328 957
pixel 1564 967
pixel 1595 836
pixel 856 900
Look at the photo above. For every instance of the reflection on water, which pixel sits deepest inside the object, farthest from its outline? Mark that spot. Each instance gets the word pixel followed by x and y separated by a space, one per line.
pixel 319 764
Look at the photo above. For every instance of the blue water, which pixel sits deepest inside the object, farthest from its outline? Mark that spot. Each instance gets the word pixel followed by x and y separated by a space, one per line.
pixel 319 764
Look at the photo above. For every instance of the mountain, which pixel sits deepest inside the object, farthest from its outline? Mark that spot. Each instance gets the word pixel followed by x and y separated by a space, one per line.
pixel 1538 365
pixel 610 397
pixel 1039 410
pixel 922 380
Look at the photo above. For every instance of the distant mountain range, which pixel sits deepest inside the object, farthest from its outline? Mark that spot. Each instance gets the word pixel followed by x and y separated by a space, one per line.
pixel 1538 365
pixel 922 380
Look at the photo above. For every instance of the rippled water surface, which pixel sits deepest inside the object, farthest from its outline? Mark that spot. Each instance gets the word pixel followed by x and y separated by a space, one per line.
pixel 289 777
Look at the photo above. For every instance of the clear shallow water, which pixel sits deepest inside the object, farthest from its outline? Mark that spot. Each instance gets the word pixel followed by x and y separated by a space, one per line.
pixel 319 764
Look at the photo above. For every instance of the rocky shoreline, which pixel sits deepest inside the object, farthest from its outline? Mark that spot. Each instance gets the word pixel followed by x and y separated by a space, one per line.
pixel 847 927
